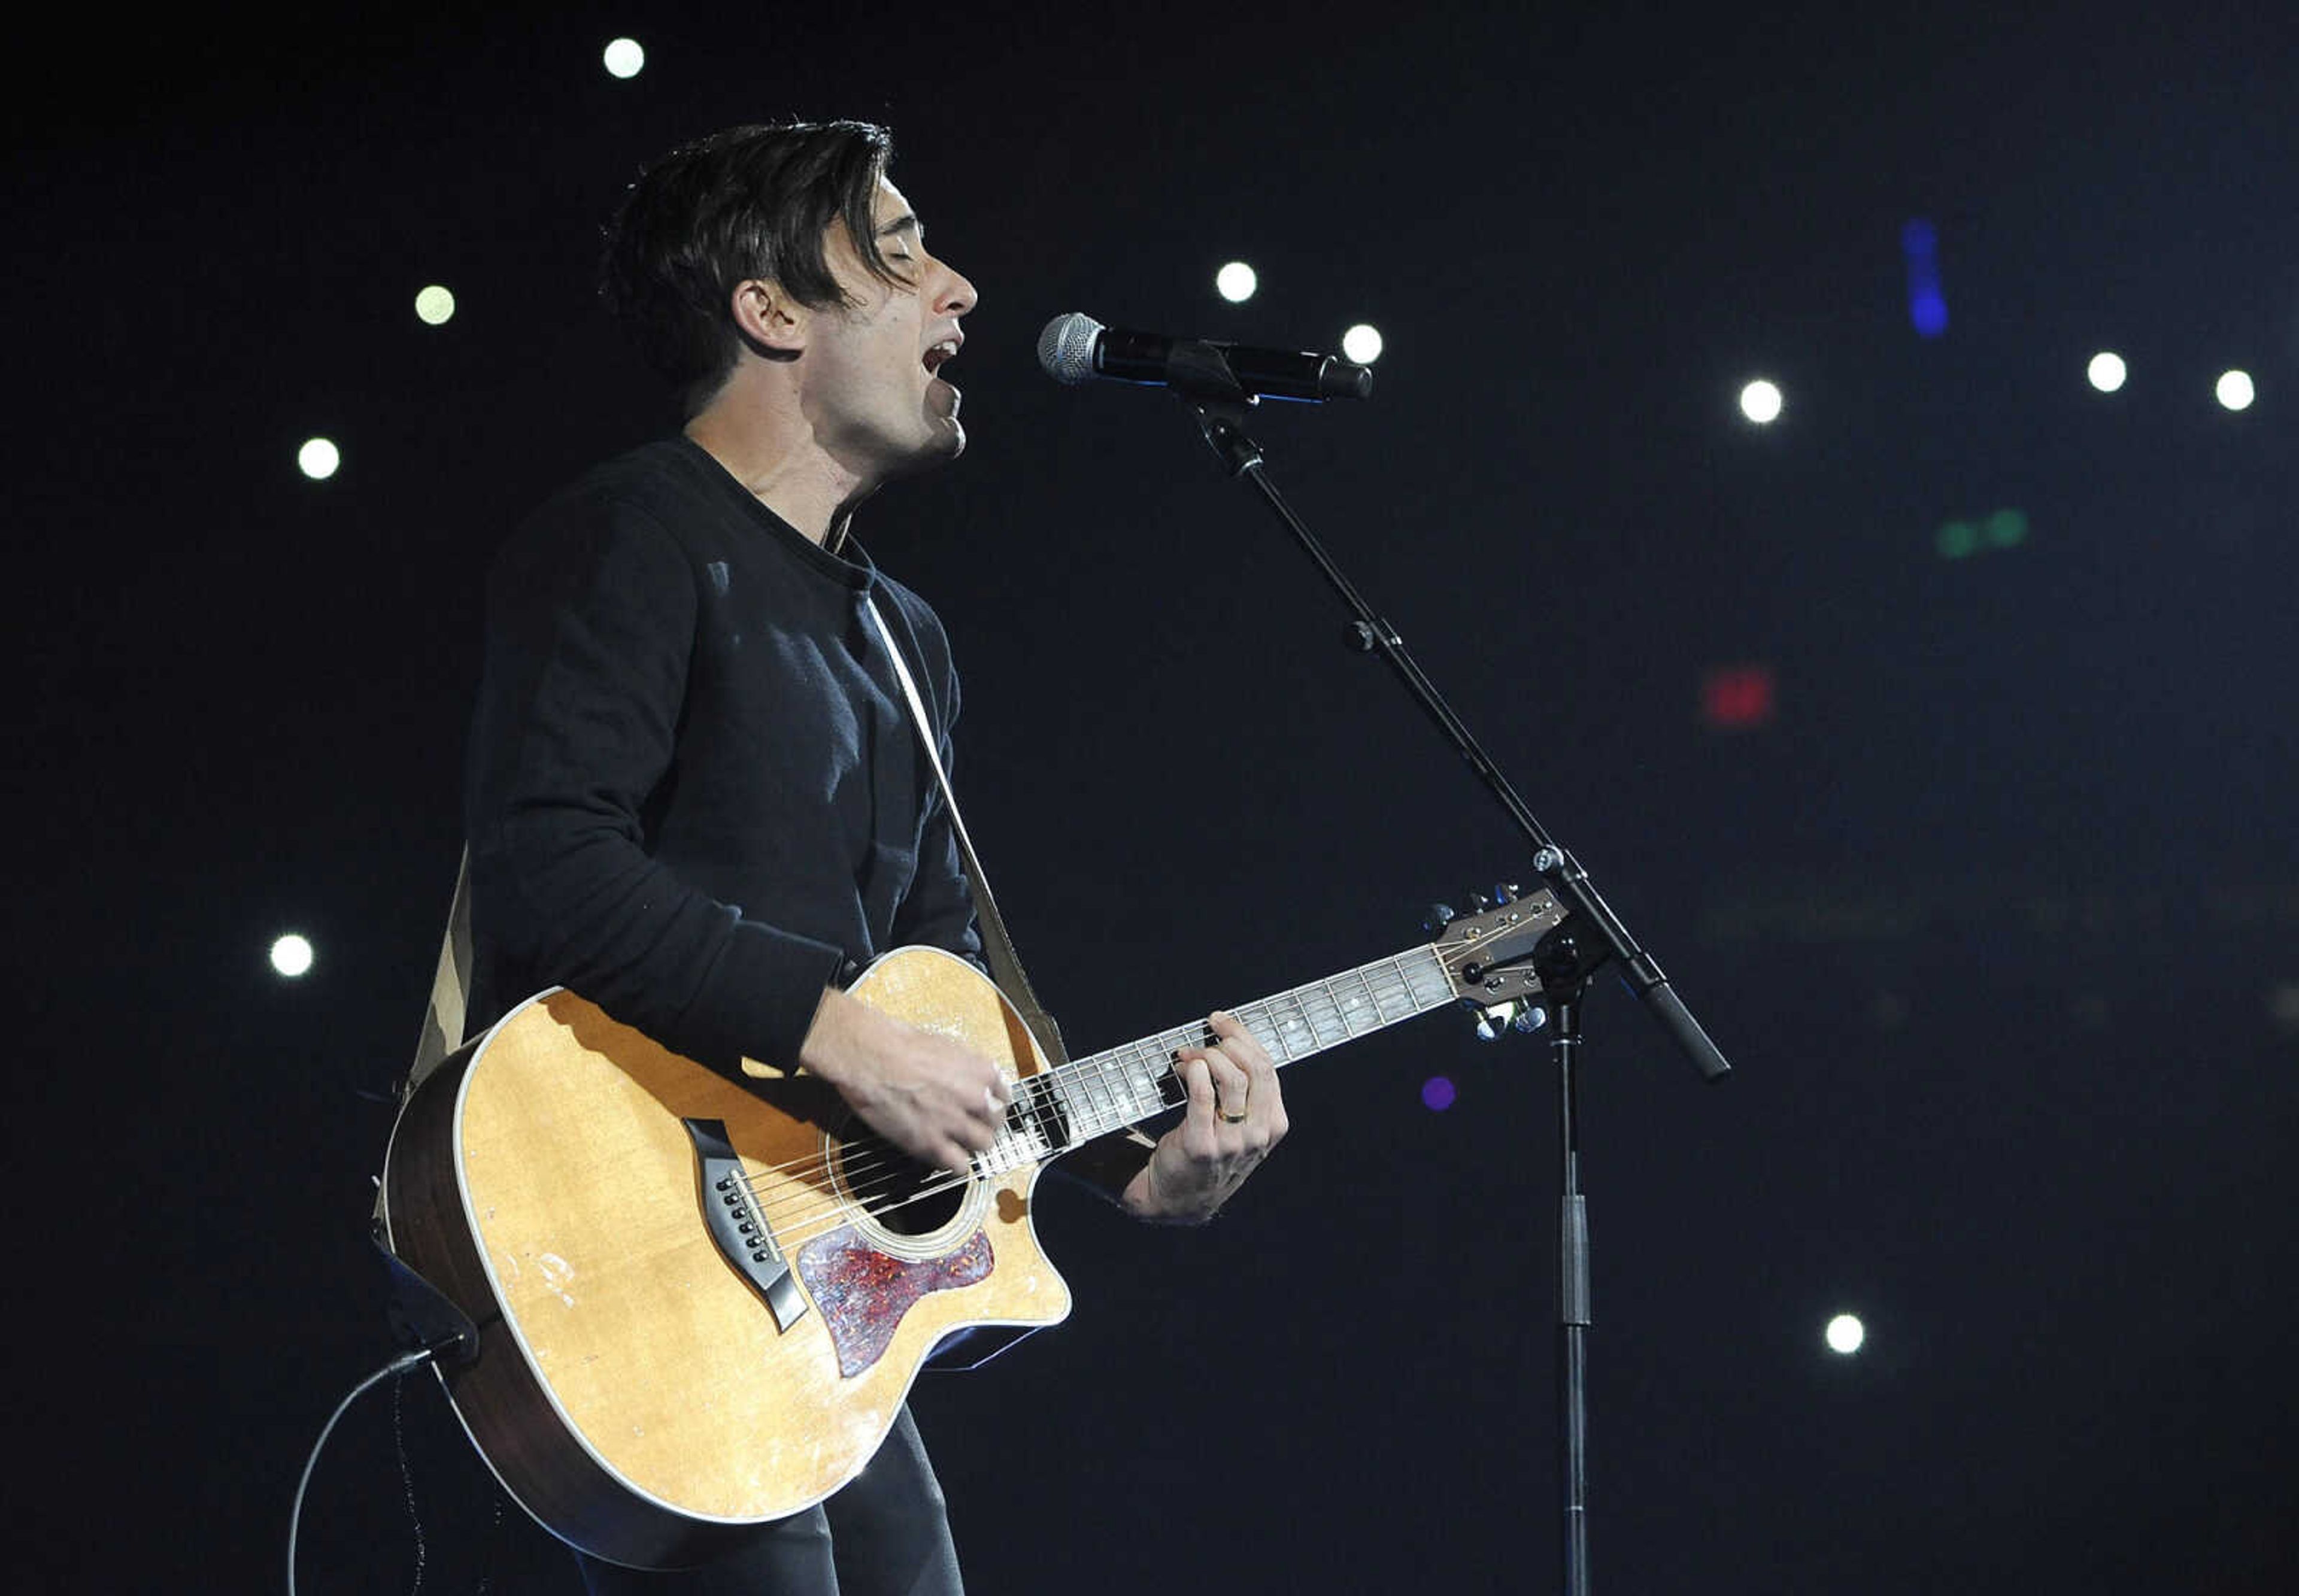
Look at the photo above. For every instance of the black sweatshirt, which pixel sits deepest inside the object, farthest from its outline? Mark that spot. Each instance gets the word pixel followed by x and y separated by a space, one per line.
pixel 695 795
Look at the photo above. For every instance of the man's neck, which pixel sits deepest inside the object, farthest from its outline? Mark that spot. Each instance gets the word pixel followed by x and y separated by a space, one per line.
pixel 774 458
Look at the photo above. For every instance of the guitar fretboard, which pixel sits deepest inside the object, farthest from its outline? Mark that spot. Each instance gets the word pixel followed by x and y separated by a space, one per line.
pixel 1088 1097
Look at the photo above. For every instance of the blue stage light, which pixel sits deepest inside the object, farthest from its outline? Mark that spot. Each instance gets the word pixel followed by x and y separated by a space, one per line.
pixel 1926 304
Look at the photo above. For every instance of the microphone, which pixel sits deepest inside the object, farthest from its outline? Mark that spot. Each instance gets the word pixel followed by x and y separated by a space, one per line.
pixel 1076 348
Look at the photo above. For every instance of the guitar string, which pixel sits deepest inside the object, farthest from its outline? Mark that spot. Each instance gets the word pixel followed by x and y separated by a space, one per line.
pixel 809 1203
pixel 1026 1119
pixel 811 1210
pixel 880 1168
pixel 1082 1075
pixel 1152 1055
pixel 805 1209
pixel 1394 983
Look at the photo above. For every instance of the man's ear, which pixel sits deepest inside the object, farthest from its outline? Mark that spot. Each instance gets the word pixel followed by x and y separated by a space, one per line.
pixel 769 321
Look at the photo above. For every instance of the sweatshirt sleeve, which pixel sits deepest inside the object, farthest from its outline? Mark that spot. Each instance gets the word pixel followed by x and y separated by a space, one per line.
pixel 592 613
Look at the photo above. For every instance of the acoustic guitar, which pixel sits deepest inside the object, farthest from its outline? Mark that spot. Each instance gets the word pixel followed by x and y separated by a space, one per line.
pixel 702 1301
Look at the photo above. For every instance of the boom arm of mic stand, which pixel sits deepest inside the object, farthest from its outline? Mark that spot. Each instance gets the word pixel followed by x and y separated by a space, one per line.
pixel 1220 405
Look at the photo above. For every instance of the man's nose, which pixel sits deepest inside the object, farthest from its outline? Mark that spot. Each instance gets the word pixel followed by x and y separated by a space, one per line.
pixel 957 296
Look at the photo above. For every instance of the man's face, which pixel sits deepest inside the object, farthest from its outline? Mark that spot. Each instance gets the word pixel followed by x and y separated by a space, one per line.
pixel 872 392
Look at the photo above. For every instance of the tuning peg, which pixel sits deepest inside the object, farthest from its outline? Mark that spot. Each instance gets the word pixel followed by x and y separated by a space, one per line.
pixel 1524 1019
pixel 1479 902
pixel 1438 918
pixel 1506 892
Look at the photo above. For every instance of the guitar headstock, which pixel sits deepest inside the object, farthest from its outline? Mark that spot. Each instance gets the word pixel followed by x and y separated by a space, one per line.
pixel 1487 954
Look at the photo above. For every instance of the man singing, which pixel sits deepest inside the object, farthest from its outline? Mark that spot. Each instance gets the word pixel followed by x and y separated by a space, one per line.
pixel 696 796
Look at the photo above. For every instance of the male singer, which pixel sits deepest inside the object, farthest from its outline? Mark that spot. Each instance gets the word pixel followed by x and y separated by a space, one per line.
pixel 695 793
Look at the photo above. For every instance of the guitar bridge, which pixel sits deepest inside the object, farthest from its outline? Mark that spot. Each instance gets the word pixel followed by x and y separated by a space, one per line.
pixel 730 1211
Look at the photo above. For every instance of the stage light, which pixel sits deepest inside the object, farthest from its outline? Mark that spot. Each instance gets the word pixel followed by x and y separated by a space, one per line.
pixel 1236 282
pixel 624 58
pixel 434 306
pixel 2234 390
pixel 1927 305
pixel 318 458
pixel 1998 529
pixel 1437 1093
pixel 1362 343
pixel 2007 528
pixel 1845 1334
pixel 291 955
pixel 1736 697
pixel 2106 371
pixel 1760 403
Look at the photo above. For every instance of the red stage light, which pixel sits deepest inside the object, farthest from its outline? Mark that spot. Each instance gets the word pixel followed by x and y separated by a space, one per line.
pixel 1735 697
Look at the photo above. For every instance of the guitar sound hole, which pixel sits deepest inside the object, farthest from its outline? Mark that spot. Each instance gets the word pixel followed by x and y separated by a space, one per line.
pixel 906 1197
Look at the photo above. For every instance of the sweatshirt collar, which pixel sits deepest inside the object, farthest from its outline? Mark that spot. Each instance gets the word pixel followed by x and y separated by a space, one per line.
pixel 852 568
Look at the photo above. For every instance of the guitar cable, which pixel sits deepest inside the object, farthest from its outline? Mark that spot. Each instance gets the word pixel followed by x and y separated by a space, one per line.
pixel 404 1364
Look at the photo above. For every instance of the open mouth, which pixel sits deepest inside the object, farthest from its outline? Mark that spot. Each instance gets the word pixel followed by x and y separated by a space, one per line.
pixel 934 358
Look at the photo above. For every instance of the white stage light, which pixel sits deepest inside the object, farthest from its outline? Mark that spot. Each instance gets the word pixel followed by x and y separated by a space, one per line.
pixel 433 305
pixel 624 58
pixel 291 955
pixel 2106 371
pixel 1362 343
pixel 318 458
pixel 1760 402
pixel 1844 1335
pixel 1236 282
pixel 2234 390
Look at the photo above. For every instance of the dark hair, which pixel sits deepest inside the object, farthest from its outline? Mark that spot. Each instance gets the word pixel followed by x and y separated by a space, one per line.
pixel 748 202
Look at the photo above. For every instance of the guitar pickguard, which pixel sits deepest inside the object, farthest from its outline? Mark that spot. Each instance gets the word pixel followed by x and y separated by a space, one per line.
pixel 863 1292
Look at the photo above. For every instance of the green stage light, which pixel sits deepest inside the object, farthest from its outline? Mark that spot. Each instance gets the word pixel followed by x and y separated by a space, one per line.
pixel 1998 529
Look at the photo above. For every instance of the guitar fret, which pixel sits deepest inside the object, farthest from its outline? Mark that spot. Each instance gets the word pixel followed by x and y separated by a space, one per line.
pixel 1331 1011
pixel 1426 980
pixel 1392 987
pixel 1153 1075
pixel 1077 1101
pixel 1263 1025
pixel 1352 1011
pixel 1140 1086
pixel 1127 1084
pixel 1300 1024
pixel 1116 1114
pixel 1102 1100
pixel 1044 1092
pixel 1117 1072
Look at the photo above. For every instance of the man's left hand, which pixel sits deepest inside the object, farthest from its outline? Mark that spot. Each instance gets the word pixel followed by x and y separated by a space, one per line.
pixel 1236 1114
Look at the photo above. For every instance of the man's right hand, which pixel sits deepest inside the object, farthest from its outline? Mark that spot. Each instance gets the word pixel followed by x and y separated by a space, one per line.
pixel 937 1099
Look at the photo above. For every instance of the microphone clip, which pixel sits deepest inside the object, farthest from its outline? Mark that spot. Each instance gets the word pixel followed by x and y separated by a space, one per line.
pixel 1200 377
pixel 1201 372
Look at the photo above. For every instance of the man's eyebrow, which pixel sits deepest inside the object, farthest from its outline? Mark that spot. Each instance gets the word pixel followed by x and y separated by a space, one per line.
pixel 904 220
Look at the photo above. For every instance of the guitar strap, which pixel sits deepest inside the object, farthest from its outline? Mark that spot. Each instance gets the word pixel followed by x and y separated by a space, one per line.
pixel 451 987
pixel 997 947
pixel 450 1005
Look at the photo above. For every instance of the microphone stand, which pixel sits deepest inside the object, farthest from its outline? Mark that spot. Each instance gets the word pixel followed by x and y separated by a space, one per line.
pixel 1590 935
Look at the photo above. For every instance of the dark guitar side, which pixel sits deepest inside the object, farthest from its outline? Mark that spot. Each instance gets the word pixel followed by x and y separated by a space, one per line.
pixel 497 1397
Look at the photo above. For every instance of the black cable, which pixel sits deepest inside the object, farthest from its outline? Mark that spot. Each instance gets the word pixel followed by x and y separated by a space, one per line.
pixel 404 1363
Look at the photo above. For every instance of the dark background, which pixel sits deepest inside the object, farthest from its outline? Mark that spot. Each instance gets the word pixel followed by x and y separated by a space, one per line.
pixel 1996 916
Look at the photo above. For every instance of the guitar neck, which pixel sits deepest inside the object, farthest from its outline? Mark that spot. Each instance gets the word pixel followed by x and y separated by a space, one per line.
pixel 1092 1096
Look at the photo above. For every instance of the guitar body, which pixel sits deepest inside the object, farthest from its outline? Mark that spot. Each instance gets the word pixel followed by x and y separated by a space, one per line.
pixel 640 1389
